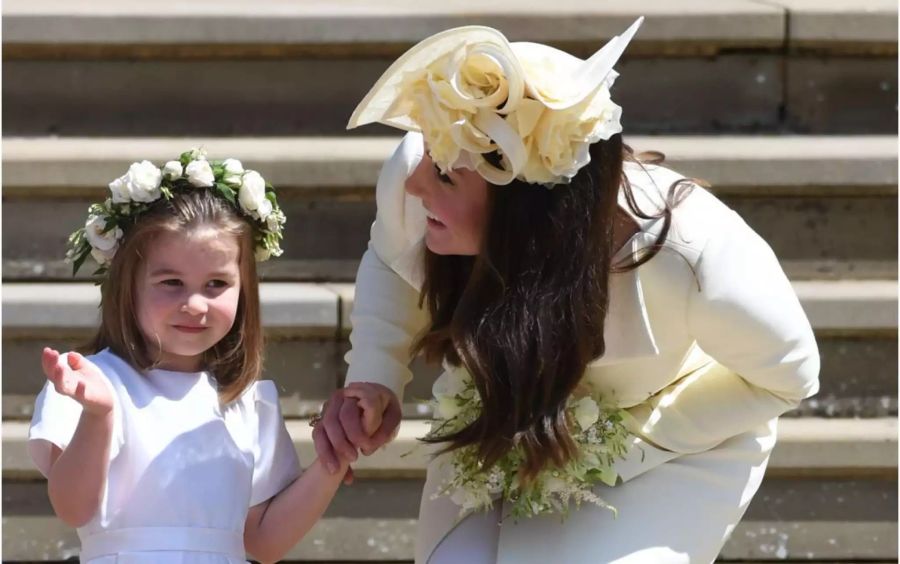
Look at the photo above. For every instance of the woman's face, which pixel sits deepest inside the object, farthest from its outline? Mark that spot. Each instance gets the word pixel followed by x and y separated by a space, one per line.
pixel 456 205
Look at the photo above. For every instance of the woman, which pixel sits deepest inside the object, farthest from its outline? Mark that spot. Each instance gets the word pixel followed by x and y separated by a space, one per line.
pixel 545 256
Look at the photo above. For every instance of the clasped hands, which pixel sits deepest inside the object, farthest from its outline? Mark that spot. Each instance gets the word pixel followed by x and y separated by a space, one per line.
pixel 361 417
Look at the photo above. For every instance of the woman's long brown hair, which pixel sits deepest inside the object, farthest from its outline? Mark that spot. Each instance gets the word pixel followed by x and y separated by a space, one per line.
pixel 527 314
pixel 237 359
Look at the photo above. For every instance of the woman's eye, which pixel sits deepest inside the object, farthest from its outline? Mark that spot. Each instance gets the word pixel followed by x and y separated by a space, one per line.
pixel 171 282
pixel 442 177
pixel 217 284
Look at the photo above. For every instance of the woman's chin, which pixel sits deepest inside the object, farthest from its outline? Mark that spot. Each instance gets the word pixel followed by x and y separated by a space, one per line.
pixel 445 248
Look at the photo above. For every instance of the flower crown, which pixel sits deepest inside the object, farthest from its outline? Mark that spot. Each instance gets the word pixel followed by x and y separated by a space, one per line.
pixel 471 92
pixel 133 193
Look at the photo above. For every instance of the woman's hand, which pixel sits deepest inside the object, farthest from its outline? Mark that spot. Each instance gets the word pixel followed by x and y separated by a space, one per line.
pixel 349 413
pixel 80 379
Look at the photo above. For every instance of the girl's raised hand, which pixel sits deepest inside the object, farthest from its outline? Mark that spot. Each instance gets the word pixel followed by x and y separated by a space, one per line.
pixel 78 378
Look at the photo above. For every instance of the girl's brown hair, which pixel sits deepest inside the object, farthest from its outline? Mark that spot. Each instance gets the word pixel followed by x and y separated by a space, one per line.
pixel 526 315
pixel 237 359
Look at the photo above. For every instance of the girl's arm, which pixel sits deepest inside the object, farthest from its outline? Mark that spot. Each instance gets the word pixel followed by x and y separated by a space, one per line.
pixel 277 524
pixel 77 474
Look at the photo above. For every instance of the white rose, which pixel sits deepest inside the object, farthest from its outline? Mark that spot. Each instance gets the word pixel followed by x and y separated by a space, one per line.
pixel 233 172
pixel 143 180
pixel 173 170
pixel 119 190
pixel 198 154
pixel 199 173
pixel 103 245
pixel 586 412
pixel 252 192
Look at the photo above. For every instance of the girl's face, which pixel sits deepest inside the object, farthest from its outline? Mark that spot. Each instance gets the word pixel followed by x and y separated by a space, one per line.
pixel 188 287
pixel 456 205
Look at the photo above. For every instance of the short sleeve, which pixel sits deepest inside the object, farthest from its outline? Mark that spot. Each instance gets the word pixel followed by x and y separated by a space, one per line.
pixel 54 421
pixel 275 463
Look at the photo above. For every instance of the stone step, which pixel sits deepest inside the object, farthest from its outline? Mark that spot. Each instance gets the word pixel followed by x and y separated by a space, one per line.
pixel 856 326
pixel 841 307
pixel 807 447
pixel 811 506
pixel 841 190
pixel 736 65
pixel 357 25
pixel 346 540
pixel 795 165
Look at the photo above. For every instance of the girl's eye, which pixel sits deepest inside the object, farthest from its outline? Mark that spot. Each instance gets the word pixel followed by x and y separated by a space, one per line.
pixel 442 177
pixel 171 282
pixel 218 283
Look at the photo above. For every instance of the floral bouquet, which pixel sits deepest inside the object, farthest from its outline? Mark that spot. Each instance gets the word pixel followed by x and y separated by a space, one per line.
pixel 597 428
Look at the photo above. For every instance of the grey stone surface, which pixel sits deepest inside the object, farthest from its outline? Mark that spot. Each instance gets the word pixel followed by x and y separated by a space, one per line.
pixel 345 168
pixel 287 309
pixel 733 92
pixel 817 22
pixel 391 21
pixel 807 448
pixel 839 228
pixel 836 228
pixel 841 94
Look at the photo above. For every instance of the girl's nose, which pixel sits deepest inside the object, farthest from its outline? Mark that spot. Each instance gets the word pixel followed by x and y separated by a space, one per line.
pixel 195 305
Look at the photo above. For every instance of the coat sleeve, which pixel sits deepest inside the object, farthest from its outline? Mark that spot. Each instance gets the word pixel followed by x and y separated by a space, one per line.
pixel 746 316
pixel 386 316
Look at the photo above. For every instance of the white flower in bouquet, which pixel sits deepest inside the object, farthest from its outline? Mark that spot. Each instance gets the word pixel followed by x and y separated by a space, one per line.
pixel 199 173
pixel 586 412
pixel 198 154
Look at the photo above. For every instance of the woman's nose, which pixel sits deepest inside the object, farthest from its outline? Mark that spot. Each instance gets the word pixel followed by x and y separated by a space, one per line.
pixel 417 182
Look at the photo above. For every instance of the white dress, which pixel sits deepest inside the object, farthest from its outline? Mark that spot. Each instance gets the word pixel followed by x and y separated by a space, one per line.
pixel 706 345
pixel 183 471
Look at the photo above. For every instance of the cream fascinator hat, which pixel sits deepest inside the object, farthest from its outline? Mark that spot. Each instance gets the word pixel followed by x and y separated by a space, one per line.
pixel 471 92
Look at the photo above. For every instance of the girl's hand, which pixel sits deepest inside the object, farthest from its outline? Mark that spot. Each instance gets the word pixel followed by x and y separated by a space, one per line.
pixel 341 431
pixel 80 379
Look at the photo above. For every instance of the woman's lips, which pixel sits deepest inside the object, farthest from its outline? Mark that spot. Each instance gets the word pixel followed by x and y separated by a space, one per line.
pixel 434 222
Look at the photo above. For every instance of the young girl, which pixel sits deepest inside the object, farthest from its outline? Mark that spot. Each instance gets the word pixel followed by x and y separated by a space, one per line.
pixel 162 446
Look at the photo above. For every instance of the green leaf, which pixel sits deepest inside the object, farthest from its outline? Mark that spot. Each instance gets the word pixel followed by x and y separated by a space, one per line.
pixel 80 260
pixel 226 192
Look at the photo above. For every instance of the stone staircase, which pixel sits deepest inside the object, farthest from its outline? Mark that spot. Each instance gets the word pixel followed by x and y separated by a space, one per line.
pixel 787 107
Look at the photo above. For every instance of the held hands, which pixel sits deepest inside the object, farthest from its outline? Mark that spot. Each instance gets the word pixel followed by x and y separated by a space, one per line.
pixel 80 379
pixel 363 416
